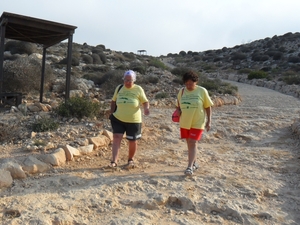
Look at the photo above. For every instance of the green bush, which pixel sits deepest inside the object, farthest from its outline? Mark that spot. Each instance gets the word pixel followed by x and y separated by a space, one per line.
pixel 110 80
pixel 138 66
pixel 95 68
pixel 177 81
pixel 292 79
pixel 103 57
pixel 210 85
pixel 209 68
pixel 141 69
pixel 95 77
pixel 227 88
pixel 238 56
pixel 259 57
pixel 157 63
pixel 294 59
pixel 244 71
pixel 74 61
pixel 129 56
pixel 182 53
pixel 97 50
pixel 148 79
pixel 217 86
pixel 101 46
pixel 122 67
pixel 275 54
pixel 257 75
pixel 20 47
pixel 179 71
pixel 87 59
pixel 161 95
pixel 197 58
pixel 44 124
pixel 96 59
pixel 9 131
pixel 78 107
pixel 24 75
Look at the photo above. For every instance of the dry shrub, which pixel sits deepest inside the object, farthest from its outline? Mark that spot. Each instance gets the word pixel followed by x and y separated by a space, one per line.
pixel 20 47
pixel 110 80
pixel 24 75
pixel 103 57
pixel 8 132
pixel 87 59
pixel 96 59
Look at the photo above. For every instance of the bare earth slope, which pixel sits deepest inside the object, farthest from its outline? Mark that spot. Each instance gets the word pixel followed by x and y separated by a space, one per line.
pixel 249 174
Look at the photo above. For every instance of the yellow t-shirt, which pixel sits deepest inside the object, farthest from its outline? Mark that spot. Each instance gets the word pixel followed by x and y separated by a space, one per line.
pixel 192 105
pixel 128 102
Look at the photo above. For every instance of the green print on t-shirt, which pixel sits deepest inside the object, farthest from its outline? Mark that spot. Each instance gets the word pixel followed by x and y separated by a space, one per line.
pixel 126 97
pixel 190 101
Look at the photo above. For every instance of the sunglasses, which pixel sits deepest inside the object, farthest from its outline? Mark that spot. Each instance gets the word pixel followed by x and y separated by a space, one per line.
pixel 128 80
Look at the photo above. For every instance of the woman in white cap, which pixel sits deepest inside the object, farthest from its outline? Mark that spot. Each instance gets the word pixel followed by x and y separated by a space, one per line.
pixel 126 116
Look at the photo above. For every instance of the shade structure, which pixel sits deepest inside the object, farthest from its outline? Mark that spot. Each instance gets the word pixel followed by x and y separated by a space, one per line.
pixel 34 30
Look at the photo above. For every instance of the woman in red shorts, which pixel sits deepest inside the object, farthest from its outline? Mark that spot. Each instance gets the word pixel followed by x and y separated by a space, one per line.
pixel 195 108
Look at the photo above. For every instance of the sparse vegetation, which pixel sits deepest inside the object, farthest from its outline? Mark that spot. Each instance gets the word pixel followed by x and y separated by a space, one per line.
pixel 157 63
pixel 292 78
pixel 257 75
pixel 78 107
pixel 39 142
pixel 161 95
pixel 8 132
pixel 17 74
pixel 148 79
pixel 44 124
pixel 20 47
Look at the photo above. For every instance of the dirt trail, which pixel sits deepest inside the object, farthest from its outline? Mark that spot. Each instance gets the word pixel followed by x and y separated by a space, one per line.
pixel 249 174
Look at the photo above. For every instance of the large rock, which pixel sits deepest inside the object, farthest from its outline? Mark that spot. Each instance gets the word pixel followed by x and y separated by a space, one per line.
pixel 99 141
pixel 86 149
pixel 55 159
pixel 71 152
pixel 108 134
pixel 5 179
pixel 32 165
pixel 14 168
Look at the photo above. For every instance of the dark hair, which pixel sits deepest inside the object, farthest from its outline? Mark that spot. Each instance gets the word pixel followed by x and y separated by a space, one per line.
pixel 190 75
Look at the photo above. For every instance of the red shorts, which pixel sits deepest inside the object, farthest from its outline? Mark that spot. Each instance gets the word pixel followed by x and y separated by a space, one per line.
pixel 193 133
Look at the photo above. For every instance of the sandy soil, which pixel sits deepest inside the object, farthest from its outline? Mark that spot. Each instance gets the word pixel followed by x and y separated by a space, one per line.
pixel 249 174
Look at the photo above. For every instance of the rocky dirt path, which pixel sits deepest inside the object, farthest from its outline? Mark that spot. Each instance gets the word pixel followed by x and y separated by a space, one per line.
pixel 249 174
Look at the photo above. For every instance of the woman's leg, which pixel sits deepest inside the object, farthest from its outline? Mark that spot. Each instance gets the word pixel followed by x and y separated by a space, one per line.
pixel 192 151
pixel 132 148
pixel 117 138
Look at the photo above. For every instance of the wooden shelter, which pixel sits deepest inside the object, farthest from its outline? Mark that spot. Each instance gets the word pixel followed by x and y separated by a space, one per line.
pixel 46 33
pixel 142 52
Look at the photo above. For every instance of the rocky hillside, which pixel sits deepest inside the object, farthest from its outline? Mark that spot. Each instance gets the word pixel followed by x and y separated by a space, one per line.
pixel 278 55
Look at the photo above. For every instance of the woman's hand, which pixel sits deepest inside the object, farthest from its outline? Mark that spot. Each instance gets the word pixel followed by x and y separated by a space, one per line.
pixel 207 126
pixel 146 108
pixel 146 111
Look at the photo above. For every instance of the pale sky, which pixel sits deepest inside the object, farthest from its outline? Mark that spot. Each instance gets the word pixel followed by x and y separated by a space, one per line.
pixel 165 26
